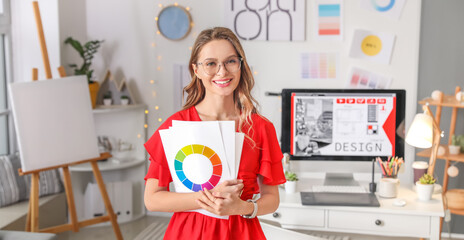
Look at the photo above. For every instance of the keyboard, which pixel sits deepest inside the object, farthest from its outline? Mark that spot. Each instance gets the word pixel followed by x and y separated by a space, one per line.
pixel 339 189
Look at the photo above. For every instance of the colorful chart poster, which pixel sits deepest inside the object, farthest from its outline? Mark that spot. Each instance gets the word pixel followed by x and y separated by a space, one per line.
pixel 319 65
pixel 372 46
pixel 360 78
pixel 329 24
pixel 389 8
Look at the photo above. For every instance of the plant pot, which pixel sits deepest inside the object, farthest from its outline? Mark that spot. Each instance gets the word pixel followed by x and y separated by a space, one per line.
pixel 453 149
pixel 93 89
pixel 290 187
pixel 424 191
pixel 124 101
pixel 107 101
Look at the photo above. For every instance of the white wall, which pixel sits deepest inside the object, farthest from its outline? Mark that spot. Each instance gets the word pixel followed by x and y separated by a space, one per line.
pixel 129 30
pixel 26 46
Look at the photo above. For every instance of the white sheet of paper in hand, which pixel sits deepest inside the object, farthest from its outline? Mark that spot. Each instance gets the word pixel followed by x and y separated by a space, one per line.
pixel 239 138
pixel 228 138
pixel 194 155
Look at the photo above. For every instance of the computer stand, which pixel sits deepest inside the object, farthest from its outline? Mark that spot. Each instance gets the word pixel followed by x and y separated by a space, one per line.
pixel 340 179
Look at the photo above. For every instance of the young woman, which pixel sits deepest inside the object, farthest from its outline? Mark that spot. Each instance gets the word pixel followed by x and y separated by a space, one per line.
pixel 220 90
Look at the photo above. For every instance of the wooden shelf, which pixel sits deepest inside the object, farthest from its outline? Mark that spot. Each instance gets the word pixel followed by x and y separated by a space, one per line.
pixel 453 157
pixel 108 165
pixel 113 108
pixel 448 101
pixel 456 211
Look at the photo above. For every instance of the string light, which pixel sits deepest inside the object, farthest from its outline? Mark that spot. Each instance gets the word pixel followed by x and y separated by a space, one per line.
pixel 190 48
pixel 160 5
pixel 139 135
pixel 160 57
pixel 145 126
pixel 156 107
pixel 156 18
pixel 160 120
pixel 153 93
pixel 255 72
pixel 153 44
pixel 146 111
pixel 187 8
pixel 175 4
pixel 158 32
pixel 158 68
pixel 152 81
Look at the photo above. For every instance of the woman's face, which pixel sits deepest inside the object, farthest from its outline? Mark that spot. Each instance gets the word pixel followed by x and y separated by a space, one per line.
pixel 213 56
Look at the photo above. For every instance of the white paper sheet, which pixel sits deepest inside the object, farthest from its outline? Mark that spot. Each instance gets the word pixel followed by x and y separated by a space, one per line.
pixel 239 138
pixel 373 46
pixel 191 147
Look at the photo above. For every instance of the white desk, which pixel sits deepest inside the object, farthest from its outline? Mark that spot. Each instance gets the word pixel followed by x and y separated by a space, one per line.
pixel 416 219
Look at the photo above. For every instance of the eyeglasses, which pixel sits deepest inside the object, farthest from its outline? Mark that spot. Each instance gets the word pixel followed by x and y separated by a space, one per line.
pixel 212 67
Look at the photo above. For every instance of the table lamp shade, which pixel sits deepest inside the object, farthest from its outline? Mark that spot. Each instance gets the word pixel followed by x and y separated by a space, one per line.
pixel 420 132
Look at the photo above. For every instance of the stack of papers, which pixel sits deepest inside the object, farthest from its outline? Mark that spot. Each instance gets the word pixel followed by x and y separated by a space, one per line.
pixel 202 154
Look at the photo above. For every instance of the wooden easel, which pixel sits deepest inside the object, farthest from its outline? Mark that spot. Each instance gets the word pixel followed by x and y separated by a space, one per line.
pixel 32 221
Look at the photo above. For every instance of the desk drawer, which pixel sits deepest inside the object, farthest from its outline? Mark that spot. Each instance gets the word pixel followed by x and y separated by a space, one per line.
pixel 380 222
pixel 299 216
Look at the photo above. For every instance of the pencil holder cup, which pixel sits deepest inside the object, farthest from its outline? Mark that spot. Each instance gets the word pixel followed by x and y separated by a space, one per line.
pixel 388 187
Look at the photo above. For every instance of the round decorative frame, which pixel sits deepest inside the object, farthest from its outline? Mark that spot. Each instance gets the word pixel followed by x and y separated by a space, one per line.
pixel 174 22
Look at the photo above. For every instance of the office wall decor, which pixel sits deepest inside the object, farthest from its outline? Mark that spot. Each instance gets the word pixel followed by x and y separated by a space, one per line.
pixel 174 22
pixel 389 8
pixel 319 65
pixel 372 46
pixel 267 20
pixel 328 20
pixel 360 78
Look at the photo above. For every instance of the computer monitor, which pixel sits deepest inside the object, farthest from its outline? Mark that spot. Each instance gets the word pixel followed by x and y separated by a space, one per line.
pixel 343 125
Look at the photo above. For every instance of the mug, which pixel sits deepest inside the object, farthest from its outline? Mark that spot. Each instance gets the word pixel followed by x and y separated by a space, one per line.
pixel 419 168
pixel 388 187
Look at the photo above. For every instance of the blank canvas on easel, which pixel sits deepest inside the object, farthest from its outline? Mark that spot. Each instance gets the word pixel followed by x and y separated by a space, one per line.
pixel 54 122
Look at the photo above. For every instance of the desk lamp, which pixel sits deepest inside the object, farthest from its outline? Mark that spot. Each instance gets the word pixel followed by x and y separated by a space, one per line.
pixel 424 132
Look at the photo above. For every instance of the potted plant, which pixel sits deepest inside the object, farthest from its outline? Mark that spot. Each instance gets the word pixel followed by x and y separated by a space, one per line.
pixel 456 144
pixel 124 100
pixel 107 99
pixel 424 187
pixel 290 185
pixel 86 52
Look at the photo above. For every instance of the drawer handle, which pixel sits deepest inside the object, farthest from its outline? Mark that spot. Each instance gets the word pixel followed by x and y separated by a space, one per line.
pixel 276 215
pixel 378 222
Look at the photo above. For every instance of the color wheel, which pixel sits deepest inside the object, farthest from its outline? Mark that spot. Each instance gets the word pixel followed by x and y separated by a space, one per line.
pixel 184 152
pixel 383 8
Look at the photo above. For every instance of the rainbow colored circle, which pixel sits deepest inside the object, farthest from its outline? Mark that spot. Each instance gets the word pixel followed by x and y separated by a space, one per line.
pixel 208 153
pixel 383 8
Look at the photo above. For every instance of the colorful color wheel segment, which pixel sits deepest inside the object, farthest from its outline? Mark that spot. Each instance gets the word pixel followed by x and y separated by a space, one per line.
pixel 184 152
pixel 383 8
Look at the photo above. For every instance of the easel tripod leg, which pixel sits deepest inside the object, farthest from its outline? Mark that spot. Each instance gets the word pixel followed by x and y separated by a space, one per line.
pixel 70 199
pixel 34 202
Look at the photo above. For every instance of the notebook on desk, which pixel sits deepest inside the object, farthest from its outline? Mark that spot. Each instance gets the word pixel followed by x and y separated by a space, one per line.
pixel 339 199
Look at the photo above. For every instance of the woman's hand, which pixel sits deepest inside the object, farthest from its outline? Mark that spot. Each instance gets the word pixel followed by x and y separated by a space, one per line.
pixel 223 203
pixel 234 186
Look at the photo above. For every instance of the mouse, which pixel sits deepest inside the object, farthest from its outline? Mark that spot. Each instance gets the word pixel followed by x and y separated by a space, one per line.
pixel 399 202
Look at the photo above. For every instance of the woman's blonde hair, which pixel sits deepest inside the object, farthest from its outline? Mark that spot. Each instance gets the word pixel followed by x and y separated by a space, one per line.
pixel 242 94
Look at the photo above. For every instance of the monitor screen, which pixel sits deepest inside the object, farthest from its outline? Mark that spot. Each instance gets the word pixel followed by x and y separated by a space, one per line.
pixel 342 124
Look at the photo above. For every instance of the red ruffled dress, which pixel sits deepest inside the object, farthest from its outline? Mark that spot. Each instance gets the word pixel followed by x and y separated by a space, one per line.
pixel 264 159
